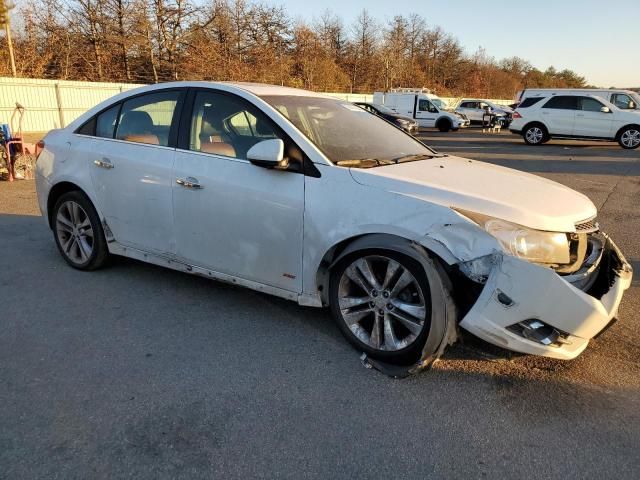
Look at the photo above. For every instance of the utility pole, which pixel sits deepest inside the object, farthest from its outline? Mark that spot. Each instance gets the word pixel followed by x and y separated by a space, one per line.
pixel 5 19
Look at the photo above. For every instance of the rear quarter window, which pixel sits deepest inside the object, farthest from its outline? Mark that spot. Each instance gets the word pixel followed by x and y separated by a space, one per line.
pixel 528 102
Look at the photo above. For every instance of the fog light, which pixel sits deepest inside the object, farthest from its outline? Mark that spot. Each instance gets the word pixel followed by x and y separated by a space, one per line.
pixel 539 332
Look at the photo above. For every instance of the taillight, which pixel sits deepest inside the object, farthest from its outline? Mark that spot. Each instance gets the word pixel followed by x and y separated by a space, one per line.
pixel 39 148
pixel 516 115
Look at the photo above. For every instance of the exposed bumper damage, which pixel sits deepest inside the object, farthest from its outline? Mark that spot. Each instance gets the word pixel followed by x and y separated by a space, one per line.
pixel 532 309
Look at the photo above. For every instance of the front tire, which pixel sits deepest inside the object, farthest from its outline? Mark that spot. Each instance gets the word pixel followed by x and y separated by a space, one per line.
pixel 78 232
pixel 381 301
pixel 629 138
pixel 535 135
pixel 444 125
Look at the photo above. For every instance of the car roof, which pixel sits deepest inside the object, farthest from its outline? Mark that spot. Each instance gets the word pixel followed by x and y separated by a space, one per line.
pixel 564 94
pixel 261 89
pixel 258 89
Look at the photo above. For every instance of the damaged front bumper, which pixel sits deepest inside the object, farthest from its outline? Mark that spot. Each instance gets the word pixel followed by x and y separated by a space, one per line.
pixel 532 309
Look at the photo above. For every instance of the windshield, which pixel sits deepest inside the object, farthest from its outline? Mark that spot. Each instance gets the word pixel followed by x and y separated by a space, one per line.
pixel 438 102
pixel 346 133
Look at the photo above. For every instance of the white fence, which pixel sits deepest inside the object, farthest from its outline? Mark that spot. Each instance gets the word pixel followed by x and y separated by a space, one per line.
pixel 55 103
pixel 52 103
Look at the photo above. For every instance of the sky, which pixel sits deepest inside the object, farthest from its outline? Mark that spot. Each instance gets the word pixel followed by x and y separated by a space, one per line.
pixel 598 40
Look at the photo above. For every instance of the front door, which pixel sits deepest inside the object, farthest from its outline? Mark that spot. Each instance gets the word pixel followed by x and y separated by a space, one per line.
pixel 426 113
pixel 591 121
pixel 231 216
pixel 133 172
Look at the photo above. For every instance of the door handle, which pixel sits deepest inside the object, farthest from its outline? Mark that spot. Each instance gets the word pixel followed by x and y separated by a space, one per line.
pixel 104 163
pixel 579 114
pixel 189 182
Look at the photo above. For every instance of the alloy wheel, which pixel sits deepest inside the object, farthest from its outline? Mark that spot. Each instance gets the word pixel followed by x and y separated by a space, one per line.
pixel 382 303
pixel 630 138
pixel 535 135
pixel 74 232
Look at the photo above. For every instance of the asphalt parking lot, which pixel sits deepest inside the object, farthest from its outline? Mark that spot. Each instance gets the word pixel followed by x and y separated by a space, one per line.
pixel 137 371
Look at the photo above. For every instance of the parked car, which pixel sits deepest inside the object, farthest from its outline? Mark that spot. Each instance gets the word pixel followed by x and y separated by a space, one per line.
pixel 312 199
pixel 476 110
pixel 422 107
pixel 623 99
pixel 407 124
pixel 539 119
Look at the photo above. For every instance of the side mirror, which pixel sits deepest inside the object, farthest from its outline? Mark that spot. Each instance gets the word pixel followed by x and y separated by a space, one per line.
pixel 267 154
pixel 605 110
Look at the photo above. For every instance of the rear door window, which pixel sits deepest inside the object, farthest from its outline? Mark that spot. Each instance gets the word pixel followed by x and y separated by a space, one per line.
pixel 106 122
pixel 147 118
pixel 562 102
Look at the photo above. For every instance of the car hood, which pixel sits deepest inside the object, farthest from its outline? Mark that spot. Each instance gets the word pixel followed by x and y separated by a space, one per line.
pixel 630 115
pixel 515 196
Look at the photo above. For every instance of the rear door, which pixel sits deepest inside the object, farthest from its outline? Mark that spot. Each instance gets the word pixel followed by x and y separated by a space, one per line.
pixel 559 114
pixel 591 121
pixel 404 104
pixel 132 169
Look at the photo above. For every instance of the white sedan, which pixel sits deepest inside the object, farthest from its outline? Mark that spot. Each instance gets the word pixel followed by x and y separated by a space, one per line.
pixel 312 199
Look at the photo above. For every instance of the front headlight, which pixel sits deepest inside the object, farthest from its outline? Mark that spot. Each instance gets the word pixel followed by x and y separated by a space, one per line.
pixel 533 245
pixel 402 121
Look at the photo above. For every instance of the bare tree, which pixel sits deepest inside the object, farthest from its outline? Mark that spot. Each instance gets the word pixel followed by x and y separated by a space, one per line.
pixel 252 40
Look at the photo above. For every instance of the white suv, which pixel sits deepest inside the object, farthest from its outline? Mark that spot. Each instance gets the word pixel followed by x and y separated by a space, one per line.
pixel 538 119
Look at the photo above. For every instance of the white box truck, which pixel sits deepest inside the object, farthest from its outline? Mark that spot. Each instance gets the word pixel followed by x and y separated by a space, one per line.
pixel 422 105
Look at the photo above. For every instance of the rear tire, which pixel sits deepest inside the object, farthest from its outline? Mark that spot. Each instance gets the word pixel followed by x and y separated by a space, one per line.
pixel 629 138
pixel 535 134
pixel 78 232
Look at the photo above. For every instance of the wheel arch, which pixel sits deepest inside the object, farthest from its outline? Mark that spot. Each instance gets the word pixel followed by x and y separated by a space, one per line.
pixel 443 121
pixel 57 191
pixel 384 241
pixel 621 129
pixel 536 123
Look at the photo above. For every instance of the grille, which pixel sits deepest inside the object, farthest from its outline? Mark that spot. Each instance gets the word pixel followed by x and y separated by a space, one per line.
pixel 588 226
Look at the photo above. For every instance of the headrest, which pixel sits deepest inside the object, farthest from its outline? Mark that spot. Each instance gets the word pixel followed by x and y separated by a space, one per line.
pixel 135 123
pixel 263 128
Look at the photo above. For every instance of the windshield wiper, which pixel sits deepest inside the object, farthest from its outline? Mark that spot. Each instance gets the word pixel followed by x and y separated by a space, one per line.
pixel 416 157
pixel 364 162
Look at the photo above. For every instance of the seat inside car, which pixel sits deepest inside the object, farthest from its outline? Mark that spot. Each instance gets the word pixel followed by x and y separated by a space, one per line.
pixel 213 139
pixel 137 127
